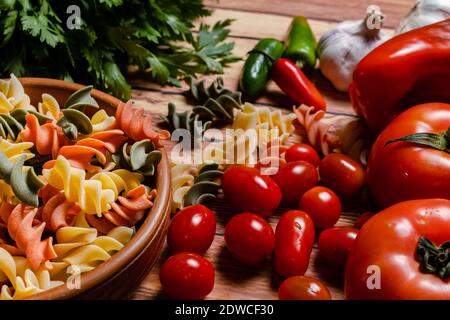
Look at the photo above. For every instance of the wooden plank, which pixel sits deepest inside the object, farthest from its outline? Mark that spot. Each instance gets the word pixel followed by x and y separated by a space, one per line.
pixel 326 10
pixel 255 25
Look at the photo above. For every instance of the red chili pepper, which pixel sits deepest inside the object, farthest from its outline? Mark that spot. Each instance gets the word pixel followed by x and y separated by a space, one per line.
pixel 296 85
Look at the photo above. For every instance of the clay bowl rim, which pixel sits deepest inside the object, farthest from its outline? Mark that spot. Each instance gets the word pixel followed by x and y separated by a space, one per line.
pixel 144 235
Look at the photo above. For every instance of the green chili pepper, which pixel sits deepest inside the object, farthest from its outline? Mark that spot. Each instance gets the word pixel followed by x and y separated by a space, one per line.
pixel 256 71
pixel 301 44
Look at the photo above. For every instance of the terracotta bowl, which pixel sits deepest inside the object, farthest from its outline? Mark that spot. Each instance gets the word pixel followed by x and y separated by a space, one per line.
pixel 118 276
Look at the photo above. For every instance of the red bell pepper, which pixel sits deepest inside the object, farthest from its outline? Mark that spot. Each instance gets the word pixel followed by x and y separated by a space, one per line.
pixel 296 85
pixel 407 70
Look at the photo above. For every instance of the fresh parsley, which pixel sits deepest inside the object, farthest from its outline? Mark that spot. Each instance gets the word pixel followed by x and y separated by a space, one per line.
pixel 154 35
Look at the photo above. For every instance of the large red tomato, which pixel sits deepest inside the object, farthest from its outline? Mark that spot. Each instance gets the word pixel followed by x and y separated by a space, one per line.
pixel 390 254
pixel 247 190
pixel 404 170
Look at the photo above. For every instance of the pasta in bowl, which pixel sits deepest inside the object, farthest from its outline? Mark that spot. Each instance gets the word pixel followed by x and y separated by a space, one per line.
pixel 84 192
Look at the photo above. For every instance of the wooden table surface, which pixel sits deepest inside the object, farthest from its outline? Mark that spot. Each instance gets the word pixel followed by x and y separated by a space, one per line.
pixel 256 19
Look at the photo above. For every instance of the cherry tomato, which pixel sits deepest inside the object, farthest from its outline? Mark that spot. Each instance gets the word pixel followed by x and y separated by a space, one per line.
pixel 187 276
pixel 247 190
pixel 303 288
pixel 342 174
pixel 322 205
pixel 335 244
pixel 302 152
pixel 294 239
pixel 192 230
pixel 294 179
pixel 362 219
pixel 249 238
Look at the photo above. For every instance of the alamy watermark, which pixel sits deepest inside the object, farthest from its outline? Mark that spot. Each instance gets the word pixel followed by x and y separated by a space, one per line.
pixel 74 19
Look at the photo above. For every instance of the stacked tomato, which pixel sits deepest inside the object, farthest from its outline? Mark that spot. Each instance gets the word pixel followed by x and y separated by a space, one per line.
pixel 187 275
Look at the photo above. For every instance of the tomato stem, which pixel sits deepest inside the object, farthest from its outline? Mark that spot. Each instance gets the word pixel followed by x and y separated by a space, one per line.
pixel 434 259
pixel 438 141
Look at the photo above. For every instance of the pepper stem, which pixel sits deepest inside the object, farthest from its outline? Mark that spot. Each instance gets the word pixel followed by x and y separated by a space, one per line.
pixel 438 141
pixel 433 259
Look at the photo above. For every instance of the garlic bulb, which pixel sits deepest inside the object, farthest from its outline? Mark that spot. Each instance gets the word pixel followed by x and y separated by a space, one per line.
pixel 340 49
pixel 423 13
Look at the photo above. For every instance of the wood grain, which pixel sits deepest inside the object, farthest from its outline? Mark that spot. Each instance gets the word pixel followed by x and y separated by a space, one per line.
pixel 256 19
pixel 326 10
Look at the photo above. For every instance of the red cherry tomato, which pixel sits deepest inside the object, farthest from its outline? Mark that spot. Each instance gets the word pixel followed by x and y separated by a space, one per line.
pixel 192 230
pixel 303 288
pixel 187 276
pixel 302 152
pixel 335 244
pixel 362 219
pixel 294 179
pixel 294 239
pixel 249 238
pixel 342 174
pixel 247 190
pixel 322 205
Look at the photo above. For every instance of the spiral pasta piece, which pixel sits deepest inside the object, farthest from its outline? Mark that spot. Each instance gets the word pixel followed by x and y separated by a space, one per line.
pixel 82 250
pixel 253 128
pixel 48 138
pixel 82 153
pixel 127 211
pixel 91 195
pixel 13 96
pixel 23 282
pixel 317 130
pixel 183 176
pixel 119 181
pixel 262 118
pixel 49 107
pixel 14 152
pixel 335 133
pixel 138 125
pixel 101 121
pixel 57 212
pixel 355 140
pixel 24 182
pixel 28 238
pixel 141 157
